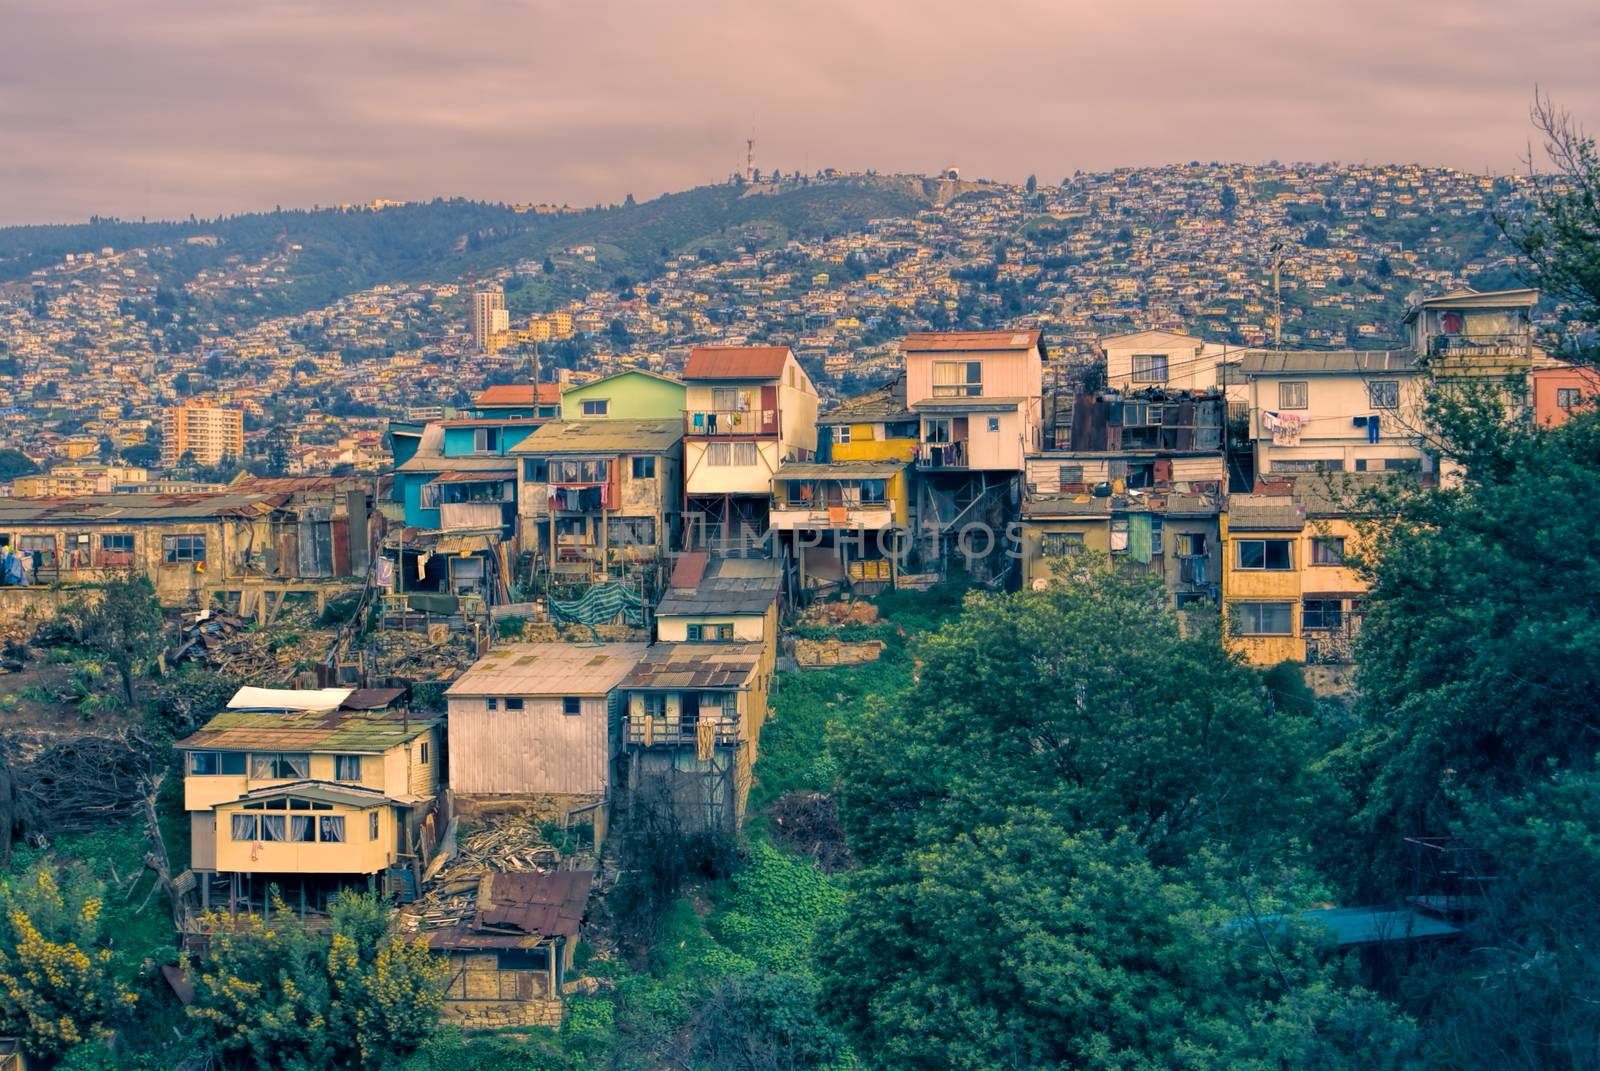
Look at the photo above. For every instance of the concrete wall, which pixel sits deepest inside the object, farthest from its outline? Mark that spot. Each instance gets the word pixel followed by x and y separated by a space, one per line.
pixel 1328 431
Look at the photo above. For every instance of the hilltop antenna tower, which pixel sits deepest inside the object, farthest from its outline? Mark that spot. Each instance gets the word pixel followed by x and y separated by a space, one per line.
pixel 750 158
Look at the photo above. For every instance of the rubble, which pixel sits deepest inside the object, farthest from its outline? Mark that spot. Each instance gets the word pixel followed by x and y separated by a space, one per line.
pixel 814 654
pixel 229 644
pixel 451 896
pixel 852 612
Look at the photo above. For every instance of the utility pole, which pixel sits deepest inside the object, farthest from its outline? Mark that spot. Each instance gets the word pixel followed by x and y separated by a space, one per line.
pixel 1277 297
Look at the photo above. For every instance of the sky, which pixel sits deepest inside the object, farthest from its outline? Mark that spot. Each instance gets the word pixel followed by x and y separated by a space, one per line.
pixel 166 108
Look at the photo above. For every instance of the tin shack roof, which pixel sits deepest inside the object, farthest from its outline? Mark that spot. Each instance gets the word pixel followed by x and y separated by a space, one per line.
pixel 348 732
pixel 602 437
pixel 672 666
pixel 137 508
pixel 549 669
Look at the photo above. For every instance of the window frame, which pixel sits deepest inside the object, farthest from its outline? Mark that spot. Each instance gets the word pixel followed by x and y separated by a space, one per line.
pixel 183 548
pixel 1328 616
pixel 1320 551
pixel 642 466
pixel 1286 394
pixel 341 763
pixel 1265 566
pixel 1569 397
pixel 571 706
pixel 1256 628
pixel 596 407
pixel 1383 393
pixel 1155 370
pixel 841 434
pixel 967 381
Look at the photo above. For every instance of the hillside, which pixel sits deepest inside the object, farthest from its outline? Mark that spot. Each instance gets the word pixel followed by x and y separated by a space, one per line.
pixel 344 250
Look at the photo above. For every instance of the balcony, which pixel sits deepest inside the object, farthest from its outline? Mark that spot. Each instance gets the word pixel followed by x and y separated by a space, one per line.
pixel 658 732
pixel 719 423
pixel 1512 344
pixel 952 455
pixel 871 516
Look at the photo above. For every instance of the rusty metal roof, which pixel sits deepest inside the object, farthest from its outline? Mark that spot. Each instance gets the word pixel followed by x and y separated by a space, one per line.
pixel 736 362
pixel 968 341
pixel 137 508
pixel 547 905
pixel 695 665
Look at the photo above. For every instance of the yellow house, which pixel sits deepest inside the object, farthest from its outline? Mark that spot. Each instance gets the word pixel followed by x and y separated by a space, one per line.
pixel 1288 589
pixel 722 600
pixel 308 790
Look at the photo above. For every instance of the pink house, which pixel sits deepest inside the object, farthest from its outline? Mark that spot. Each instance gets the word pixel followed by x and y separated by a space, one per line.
pixel 977 395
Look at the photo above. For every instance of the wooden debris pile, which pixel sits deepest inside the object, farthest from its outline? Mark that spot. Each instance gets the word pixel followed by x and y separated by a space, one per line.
pixel 81 784
pixel 229 644
pixel 451 898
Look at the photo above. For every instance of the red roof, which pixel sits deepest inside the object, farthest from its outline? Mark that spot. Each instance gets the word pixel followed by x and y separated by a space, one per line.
pixel 517 394
pixel 736 362
pixel 968 341
pixel 688 570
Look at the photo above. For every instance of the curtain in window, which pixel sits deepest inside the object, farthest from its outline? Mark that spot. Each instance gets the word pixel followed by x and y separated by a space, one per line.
pixel 261 766
pixel 331 829
pixel 244 827
pixel 948 373
pixel 347 767
pixel 295 765
pixel 272 827
pixel 300 827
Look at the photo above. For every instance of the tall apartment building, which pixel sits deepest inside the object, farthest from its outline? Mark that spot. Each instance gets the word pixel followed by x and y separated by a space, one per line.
pixel 209 434
pixel 488 317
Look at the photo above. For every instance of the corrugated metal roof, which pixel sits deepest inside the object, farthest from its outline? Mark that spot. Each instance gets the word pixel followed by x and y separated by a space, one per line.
pixel 475 477
pixel 321 791
pixel 132 508
pixel 545 669
pixel 1081 505
pixel 1264 513
pixel 1325 362
pixel 602 437
pixel 736 362
pixel 513 394
pixel 338 731
pixel 839 470
pixel 689 569
pixel 968 341
pixel 548 904
pixel 967 405
pixel 696 665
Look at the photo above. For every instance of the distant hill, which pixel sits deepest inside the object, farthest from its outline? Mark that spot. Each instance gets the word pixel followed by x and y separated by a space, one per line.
pixel 344 250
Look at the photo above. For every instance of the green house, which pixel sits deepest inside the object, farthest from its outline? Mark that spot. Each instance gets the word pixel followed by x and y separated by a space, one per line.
pixel 632 394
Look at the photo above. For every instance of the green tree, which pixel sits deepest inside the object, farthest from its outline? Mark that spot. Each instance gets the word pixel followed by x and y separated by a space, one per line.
pixel 57 989
pixel 125 626
pixel 1558 227
pixel 1476 659
pixel 14 463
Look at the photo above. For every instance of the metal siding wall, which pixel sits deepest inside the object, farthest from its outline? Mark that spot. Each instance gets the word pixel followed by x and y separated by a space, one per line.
pixel 537 750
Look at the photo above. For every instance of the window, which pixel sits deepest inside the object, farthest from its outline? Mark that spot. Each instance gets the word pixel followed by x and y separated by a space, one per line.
pixel 1384 394
pixel 719 633
pixel 1327 550
pixel 1262 618
pixel 428 495
pixel 372 826
pixel 571 705
pixel 274 827
pixel 728 400
pixel 1270 554
pixel 1568 397
pixel 841 433
pixel 422 753
pixel 1191 544
pixel 644 468
pixel 900 429
pixel 580 471
pixel 280 766
pixel 347 767
pixel 596 406
pixel 491 703
pixel 655 705
pixel 1149 368
pixel 719 454
pixel 301 829
pixel 486 440
pixel 1157 526
pixel 117 544
pixel 936 430
pixel 1292 394
pixel 631 531
pixel 207 763
pixel 1321 615
pixel 536 470
pixel 745 454
pixel 1305 464
pixel 330 829
pixel 874 492
pixel 994 423
pixel 1060 544
pixel 244 826
pixel 183 548
pixel 512 702
pixel 957 379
